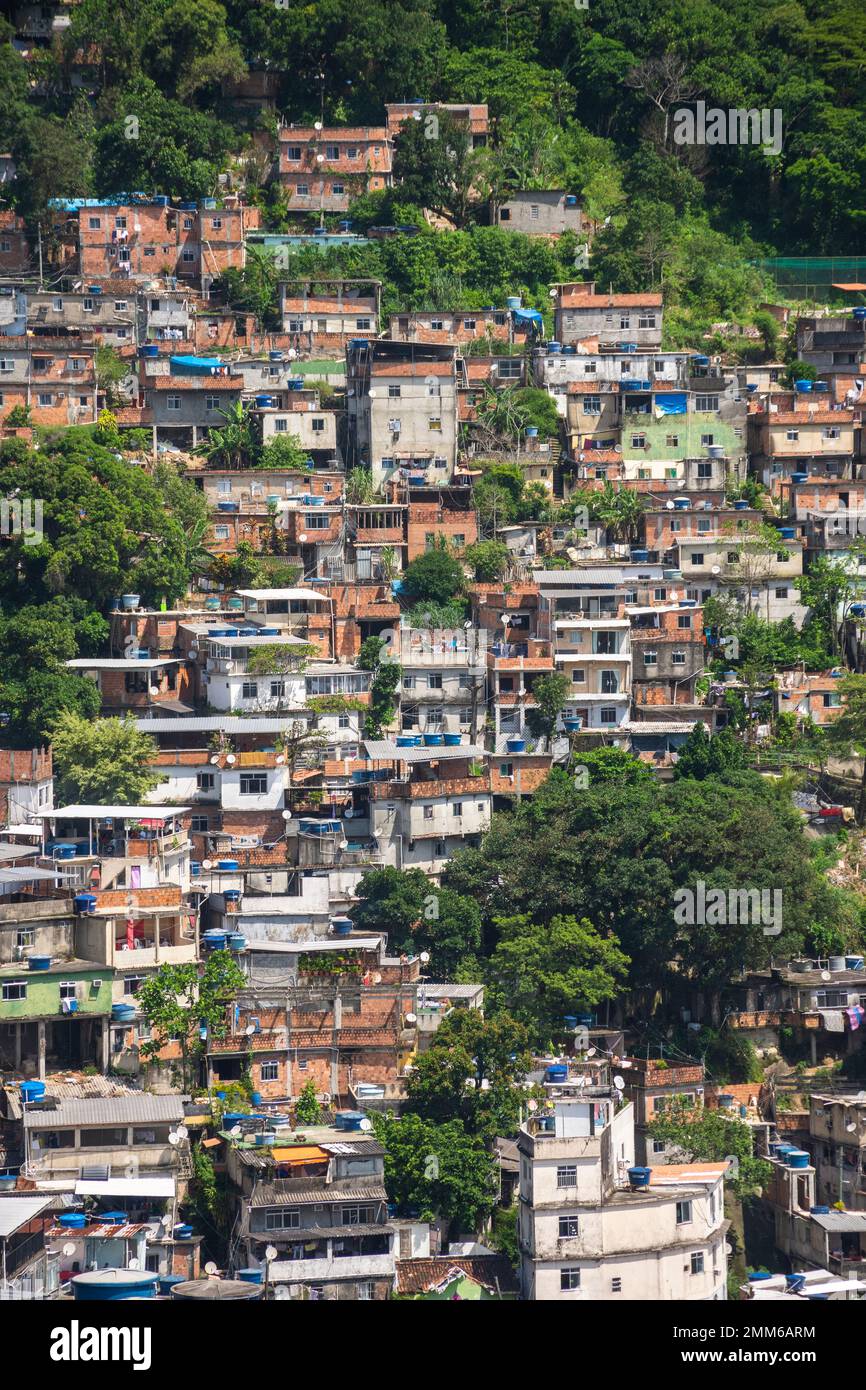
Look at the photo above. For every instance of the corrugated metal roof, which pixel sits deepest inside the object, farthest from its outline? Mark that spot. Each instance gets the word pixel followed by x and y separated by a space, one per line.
pixel 98 812
pixel 118 1110
pixel 595 574
pixel 126 1187
pixel 15 1211
pixel 266 595
pixel 385 750
pixel 306 1193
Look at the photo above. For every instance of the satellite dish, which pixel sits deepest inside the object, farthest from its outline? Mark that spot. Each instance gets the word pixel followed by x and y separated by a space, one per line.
pixel 271 1253
pixel 182 1132
pixel 68 1249
pixel 235 1131
pixel 366 1126
pixel 591 1052
pixel 377 978
pixel 670 506
pixel 411 1018
pixel 173 1139
pixel 552 294
pixel 716 569
pixel 344 844
pixel 532 1106
pixel 249 1030
pixel 280 759
pixel 230 759
pixel 317 125
pixel 372 395
pixel 302 536
pixel 134 1264
pixel 207 863
pixel 424 957
pixel 851 1127
pixel 619 1083
pixel 287 815
pixel 211 1268
pixel 825 975
pixel 349 812
pixel 215 758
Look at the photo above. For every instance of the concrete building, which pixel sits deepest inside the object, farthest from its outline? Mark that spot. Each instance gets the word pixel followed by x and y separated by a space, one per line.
pixel 402 411
pixel 586 316
pixel 587 1231
pixel 540 213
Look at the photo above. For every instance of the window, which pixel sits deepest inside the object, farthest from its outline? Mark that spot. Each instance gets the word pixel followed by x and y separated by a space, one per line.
pixel 359 1215
pixel 132 983
pixel 568 1226
pixel 332 151
pixel 120 306
pixel 792 435
pixel 705 470
pixel 733 557
pixel 646 321
pixel 638 441
pixel 607 715
pixel 434 422
pixel 67 989
pixel 697 557
pixel 506 769
pixel 457 808
pixel 706 404
pixel 650 658
pixel 338 189
pixel 684 1213
pixel 94 223
pixel 578 676
pixel 293 152
pixel 362 323
pixel 187 255
pixel 253 784
pixel 221 533
pixel 780 593
pixel 278 690
pixel 684 620
pixel 45 398
pixel 269 1071
pixel 206 781
pixel 624 321
pixel 672 441
pixel 211 402
pixel 533 211
pixel 592 405
pixel 697 1262
pixel 172 402
pixel 199 825
pixel 470 324
pixel 25 936
pixel 678 658
pixel 284 1219
pixel 569 1279
pixel 704 525
pixel 250 690
pixel 659 595
pixel 434 682
pixel 707 440
pixel 318 426
pixel 658 1146
pixel 303 190
pixel 364 1291
pixel 216 223
pixel 566 1175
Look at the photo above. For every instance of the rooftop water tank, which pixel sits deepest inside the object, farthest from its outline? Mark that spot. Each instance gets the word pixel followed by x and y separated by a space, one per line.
pixel 39 963
pixel 215 1290
pixel 237 941
pixel 31 1091
pixel 639 1178
pixel 557 1072
pixel 516 745
pixel 73 1220
pixel 797 1158
pixel 803 385
pixel 108 1285
pixel 452 740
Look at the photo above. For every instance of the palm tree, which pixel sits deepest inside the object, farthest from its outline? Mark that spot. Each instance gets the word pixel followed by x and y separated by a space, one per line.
pixel 235 444
pixel 618 510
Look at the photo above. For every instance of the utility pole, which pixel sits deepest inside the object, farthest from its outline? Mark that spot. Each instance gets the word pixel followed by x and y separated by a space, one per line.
pixel 39 245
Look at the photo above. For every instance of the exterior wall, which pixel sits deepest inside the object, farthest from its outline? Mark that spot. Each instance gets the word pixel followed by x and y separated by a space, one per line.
pixel 540 214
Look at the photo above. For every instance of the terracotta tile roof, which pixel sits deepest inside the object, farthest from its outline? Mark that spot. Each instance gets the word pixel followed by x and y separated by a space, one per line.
pixel 579 299
pixel 196 383
pixel 592 388
pixel 331 306
pixel 420 1276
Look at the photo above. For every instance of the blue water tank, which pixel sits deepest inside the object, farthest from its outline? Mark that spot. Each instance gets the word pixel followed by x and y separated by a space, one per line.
pixel 216 940
pixel 639 1177
pixel 558 1071
pixel 531 431
pixel 73 1220
pixel 408 740
pixel 430 741
pixel 452 740
pixel 168 1281
pixel 758 1275
pixel 111 1218
pixel 31 1091
pixel 228 864
pixel 237 941
pixel 264 401
pixel 797 1158
pixel 803 386
pixel 819 1211
pixel 250 1276
pixel 108 1285
pixel 553 346
pixel 516 745
pixel 85 902
pixel 39 963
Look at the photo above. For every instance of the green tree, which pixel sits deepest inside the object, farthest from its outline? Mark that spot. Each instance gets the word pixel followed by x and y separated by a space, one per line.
pixel 847 732
pixel 441 171
pixel 437 1171
pixel 473 1071
pixel 706 755
pixel 105 763
pixel 540 972
pixel 180 1002
pixel 489 560
pixel 710 1137
pixel 615 765
pixel 435 577
pixel 550 695
pixel 308 1111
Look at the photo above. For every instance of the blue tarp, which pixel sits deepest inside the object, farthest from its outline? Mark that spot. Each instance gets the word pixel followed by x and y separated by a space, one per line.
pixel 671 402
pixel 531 315
pixel 197 366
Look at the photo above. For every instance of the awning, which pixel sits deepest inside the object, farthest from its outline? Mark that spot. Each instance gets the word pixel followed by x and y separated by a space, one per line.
pixel 300 1153
pixel 126 1187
